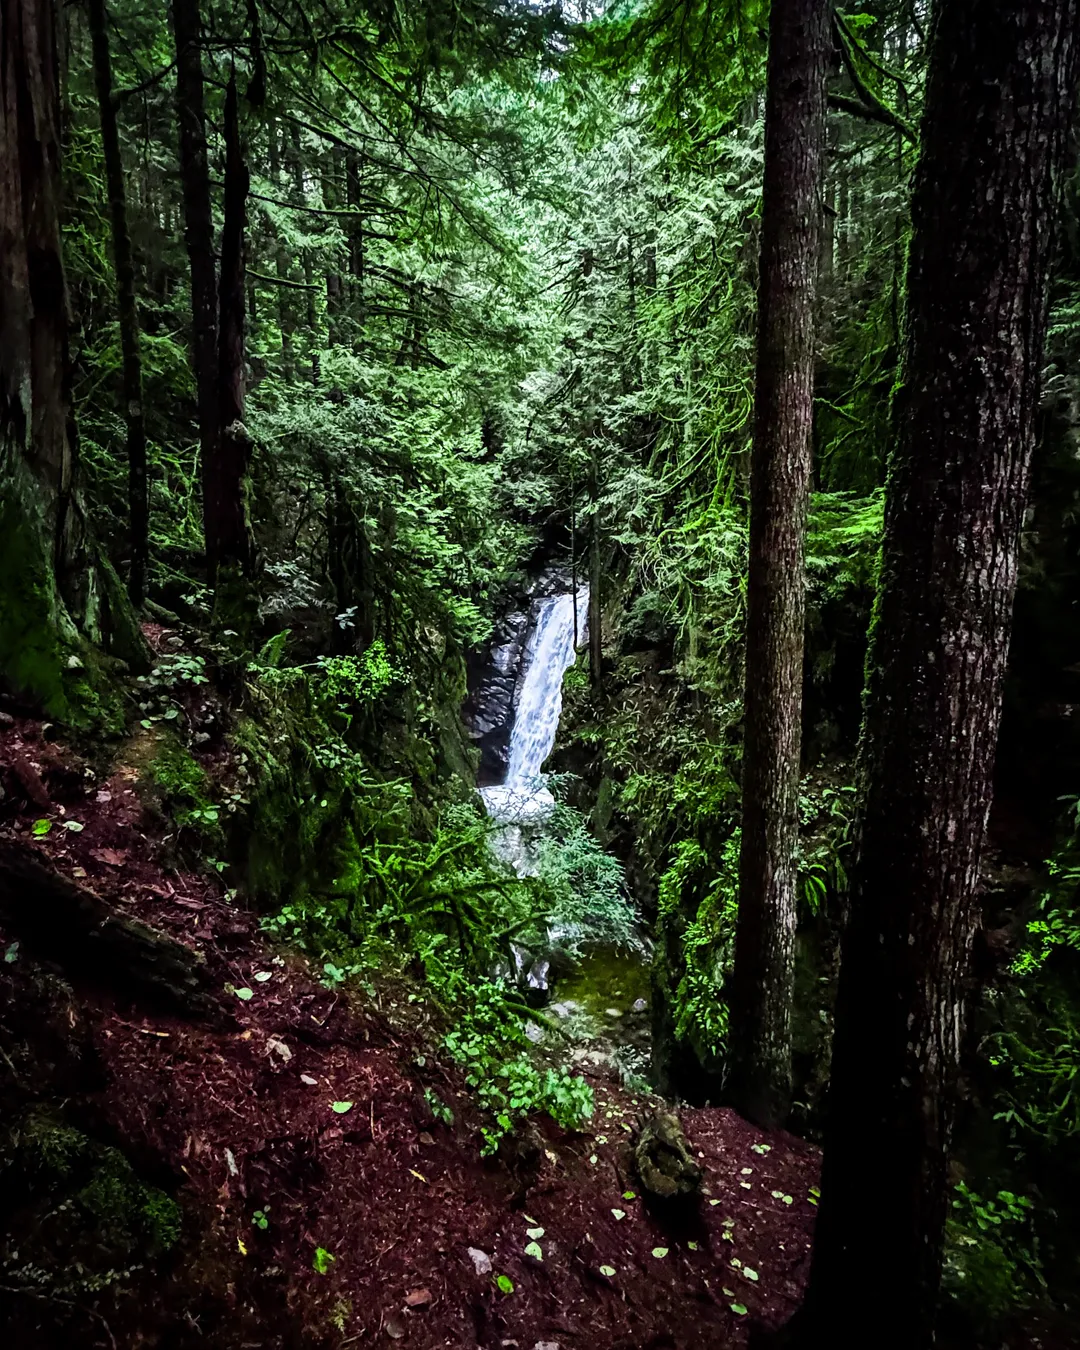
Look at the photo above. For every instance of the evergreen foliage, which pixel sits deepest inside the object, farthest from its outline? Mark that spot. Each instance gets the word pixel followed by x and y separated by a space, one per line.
pixel 499 305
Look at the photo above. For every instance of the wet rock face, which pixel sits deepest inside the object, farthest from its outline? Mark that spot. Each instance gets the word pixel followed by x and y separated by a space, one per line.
pixel 489 710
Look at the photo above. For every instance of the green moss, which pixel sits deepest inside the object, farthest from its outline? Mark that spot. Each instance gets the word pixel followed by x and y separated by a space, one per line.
pixel 177 773
pixel 50 1150
pixel 130 1216
pixel 184 788
pixel 236 606
pixel 42 655
pixel 277 788
pixel 94 1208
pixel 36 641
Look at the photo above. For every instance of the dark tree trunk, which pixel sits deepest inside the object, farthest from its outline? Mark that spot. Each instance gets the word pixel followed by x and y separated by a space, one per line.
pixel 228 533
pixel 131 359
pixel 761 992
pixel 56 594
pixel 335 289
pixel 281 261
pixel 596 635
pixel 356 236
pixel 199 238
pixel 1001 90
pixel 42 543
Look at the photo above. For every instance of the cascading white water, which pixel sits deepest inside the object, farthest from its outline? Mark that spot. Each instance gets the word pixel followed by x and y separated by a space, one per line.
pixel 548 653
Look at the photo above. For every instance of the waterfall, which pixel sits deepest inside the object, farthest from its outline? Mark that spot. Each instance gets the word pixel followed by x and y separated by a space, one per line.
pixel 548 652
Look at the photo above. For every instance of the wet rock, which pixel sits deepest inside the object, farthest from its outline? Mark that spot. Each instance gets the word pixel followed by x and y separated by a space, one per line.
pixel 612 1012
pixel 665 1166
pixel 534 1033
pixel 592 1059
pixel 640 1006
pixel 538 982
pixel 489 709
pixel 567 1008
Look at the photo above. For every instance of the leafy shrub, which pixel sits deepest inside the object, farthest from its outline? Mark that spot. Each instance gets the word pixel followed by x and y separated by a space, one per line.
pixel 489 1042
pixel 991 1258
pixel 708 942
pixel 582 886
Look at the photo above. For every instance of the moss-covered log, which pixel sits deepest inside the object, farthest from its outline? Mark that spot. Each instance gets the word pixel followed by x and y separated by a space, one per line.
pixel 61 921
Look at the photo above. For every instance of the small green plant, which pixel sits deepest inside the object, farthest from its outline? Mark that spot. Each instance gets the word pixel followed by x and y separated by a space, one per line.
pixel 438 1107
pixel 708 942
pixel 260 1219
pixel 321 1261
pixel 490 1044
pixel 992 1264
pixel 159 691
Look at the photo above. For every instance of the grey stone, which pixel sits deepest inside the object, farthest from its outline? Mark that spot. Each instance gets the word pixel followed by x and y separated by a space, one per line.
pixel 480 1260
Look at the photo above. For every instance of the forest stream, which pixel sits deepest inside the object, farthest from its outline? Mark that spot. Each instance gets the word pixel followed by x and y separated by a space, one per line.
pixel 601 994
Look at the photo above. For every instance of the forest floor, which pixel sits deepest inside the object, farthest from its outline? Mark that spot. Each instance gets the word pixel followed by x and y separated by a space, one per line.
pixel 310 1226
pixel 234 1114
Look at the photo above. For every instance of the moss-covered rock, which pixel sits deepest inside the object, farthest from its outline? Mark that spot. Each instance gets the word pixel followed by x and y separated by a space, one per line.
pixel 77 1215
pixel 178 784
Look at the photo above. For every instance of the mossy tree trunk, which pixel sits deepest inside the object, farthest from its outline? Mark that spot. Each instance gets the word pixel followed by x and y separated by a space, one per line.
pixel 763 980
pixel 596 613
pixel 57 596
pixel 131 359
pixel 199 239
pixel 1001 91
pixel 228 533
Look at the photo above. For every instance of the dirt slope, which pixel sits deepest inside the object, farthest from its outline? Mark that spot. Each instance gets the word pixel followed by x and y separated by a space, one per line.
pixel 234 1114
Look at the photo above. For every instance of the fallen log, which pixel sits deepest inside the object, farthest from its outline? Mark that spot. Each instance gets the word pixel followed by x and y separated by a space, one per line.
pixel 57 920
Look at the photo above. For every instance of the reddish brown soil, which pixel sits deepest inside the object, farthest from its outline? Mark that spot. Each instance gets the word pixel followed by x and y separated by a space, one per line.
pixel 237 1117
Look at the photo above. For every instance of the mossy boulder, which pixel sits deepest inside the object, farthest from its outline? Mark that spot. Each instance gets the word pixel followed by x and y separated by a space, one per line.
pixel 77 1215
pixel 172 777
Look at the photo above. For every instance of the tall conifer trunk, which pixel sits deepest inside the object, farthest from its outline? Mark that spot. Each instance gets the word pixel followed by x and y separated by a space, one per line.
pixel 199 238
pixel 760 1039
pixel 56 595
pixel 42 545
pixel 1001 90
pixel 131 359
pixel 228 533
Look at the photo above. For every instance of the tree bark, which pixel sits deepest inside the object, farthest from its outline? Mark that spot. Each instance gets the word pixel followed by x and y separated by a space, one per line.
pixel 762 983
pixel 1001 90
pixel 43 549
pixel 596 635
pixel 228 533
pixel 199 239
pixel 281 260
pixel 356 237
pixel 131 359
pixel 58 596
